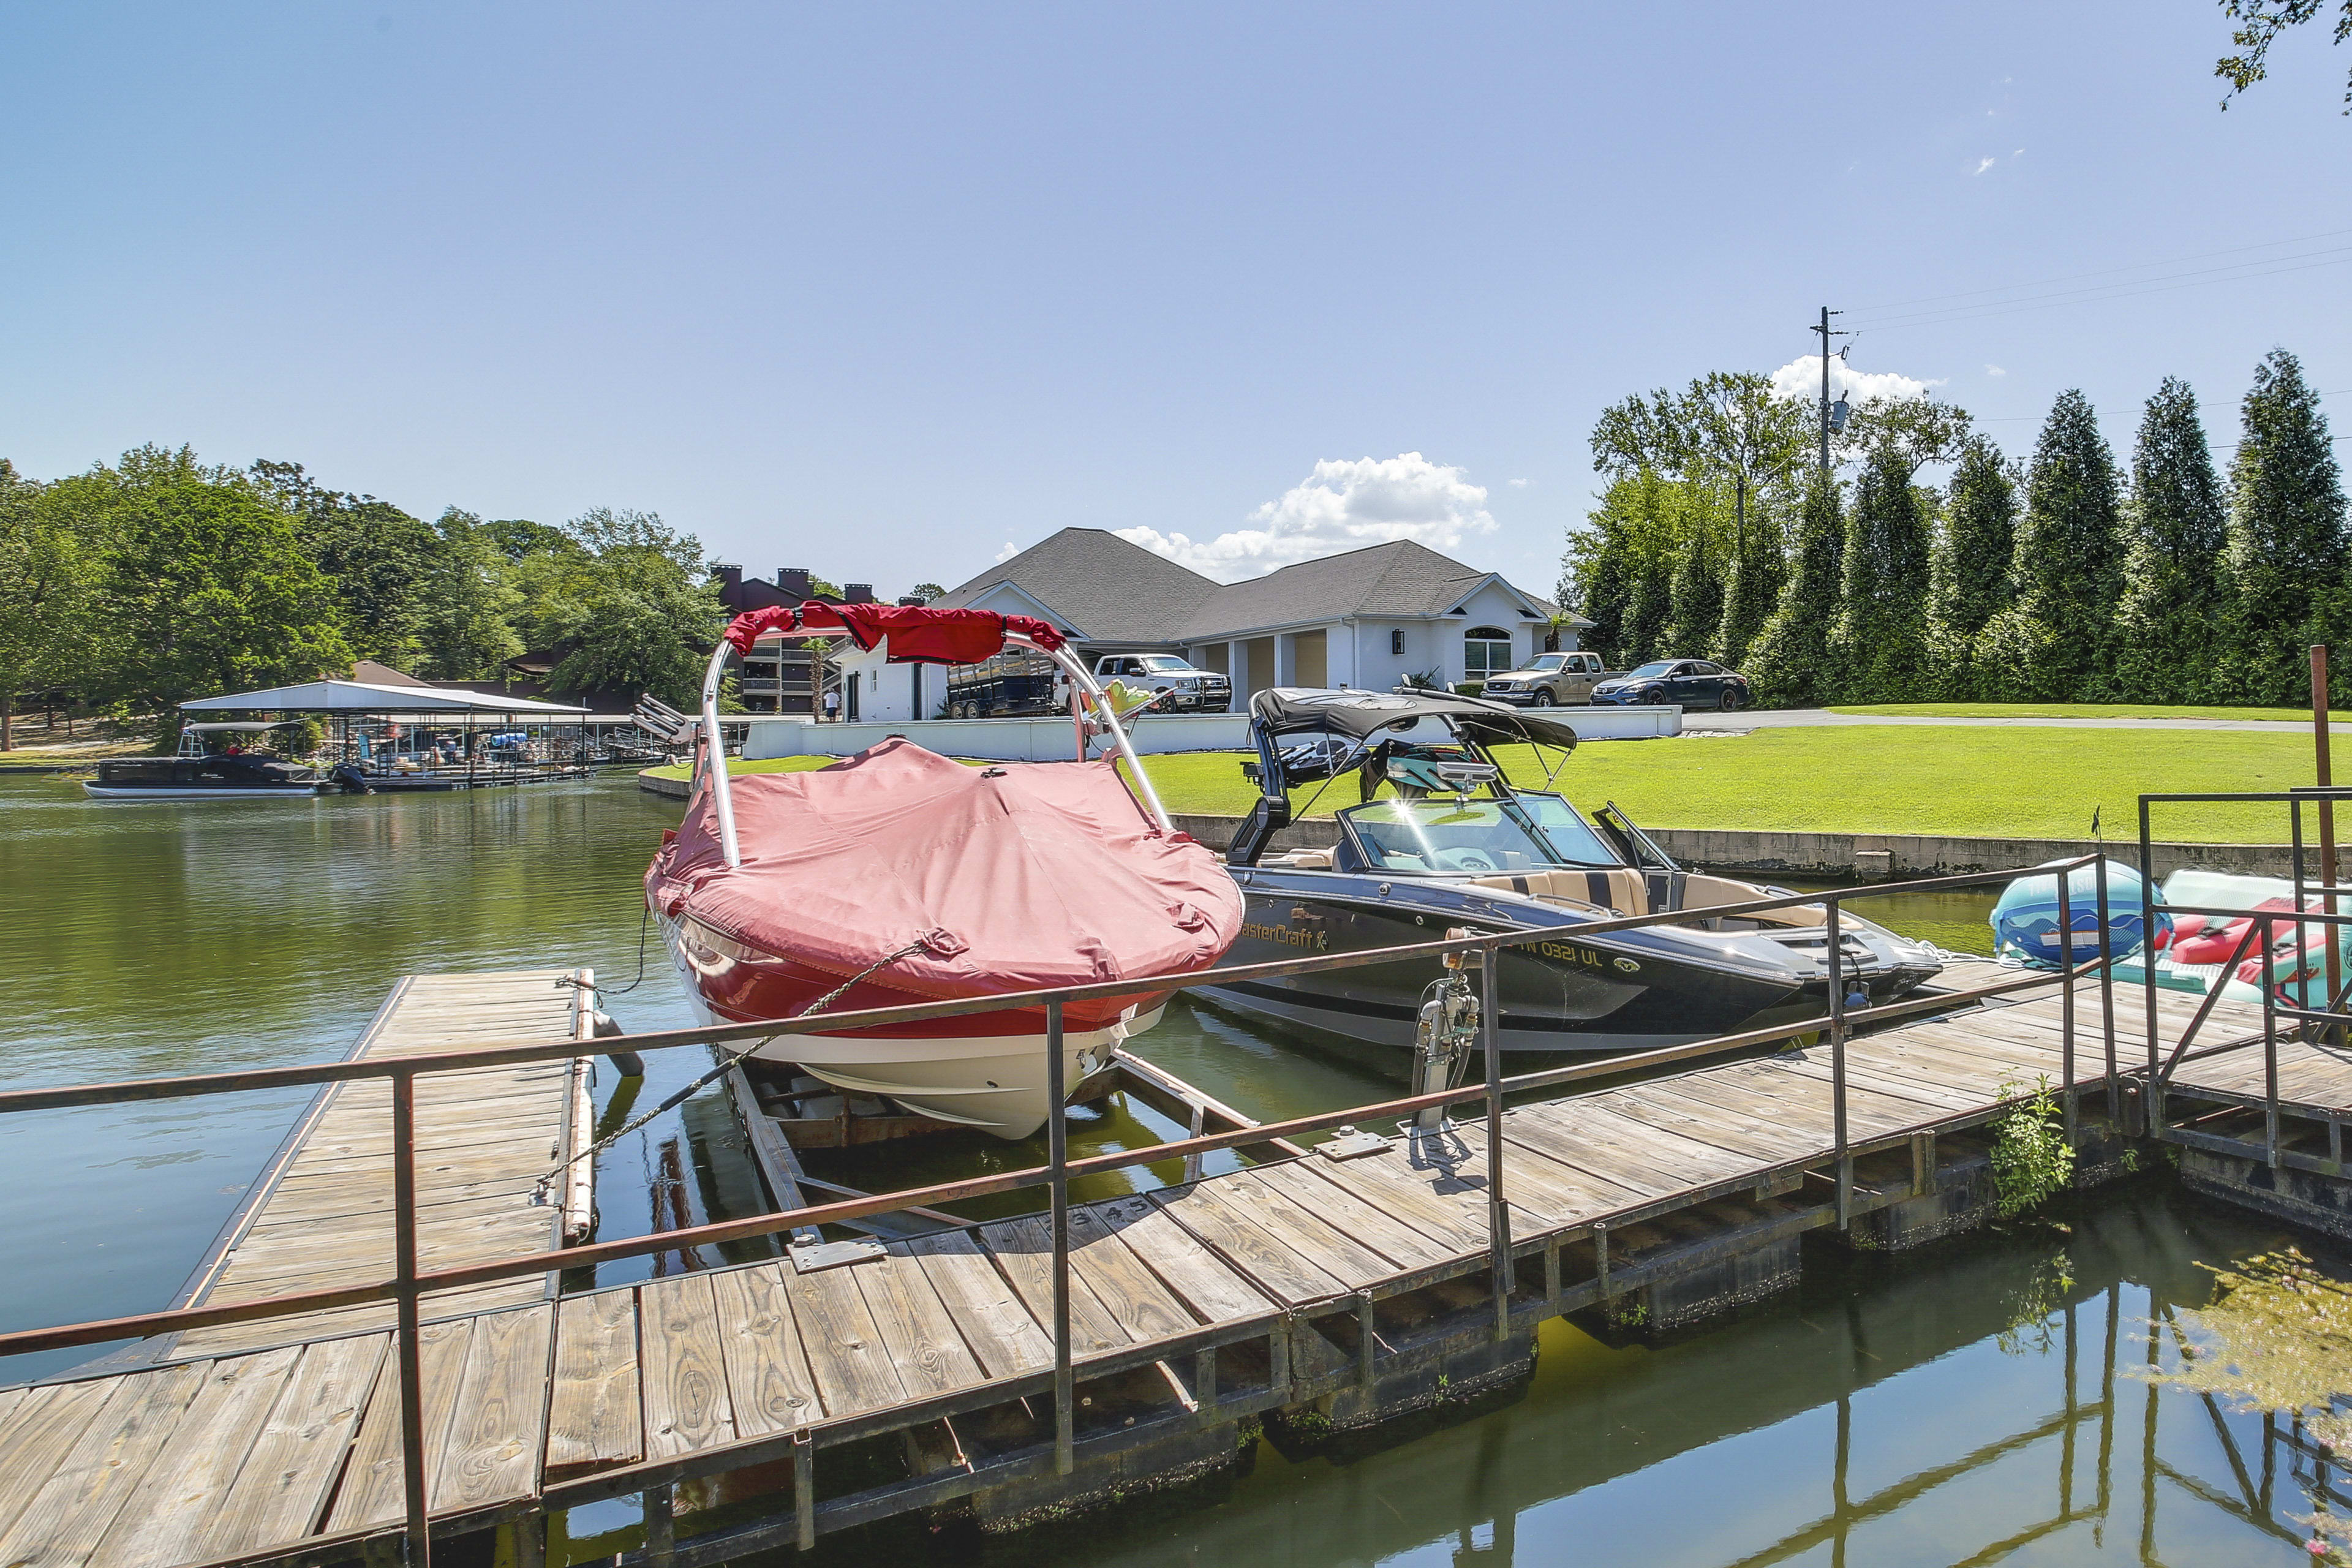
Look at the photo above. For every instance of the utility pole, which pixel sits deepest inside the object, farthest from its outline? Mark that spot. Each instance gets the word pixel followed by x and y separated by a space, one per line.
pixel 1824 331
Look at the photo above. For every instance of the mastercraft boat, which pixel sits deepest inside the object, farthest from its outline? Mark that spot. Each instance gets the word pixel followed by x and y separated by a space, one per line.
pixel 1455 844
pixel 897 877
pixel 214 761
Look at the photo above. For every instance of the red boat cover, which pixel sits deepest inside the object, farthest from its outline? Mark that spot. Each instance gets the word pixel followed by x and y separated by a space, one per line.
pixel 918 633
pixel 1022 875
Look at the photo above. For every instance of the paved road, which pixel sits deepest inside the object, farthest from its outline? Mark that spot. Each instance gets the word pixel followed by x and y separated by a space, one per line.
pixel 1800 718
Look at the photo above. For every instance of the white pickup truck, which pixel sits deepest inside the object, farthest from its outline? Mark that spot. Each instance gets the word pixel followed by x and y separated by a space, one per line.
pixel 1190 691
pixel 1549 680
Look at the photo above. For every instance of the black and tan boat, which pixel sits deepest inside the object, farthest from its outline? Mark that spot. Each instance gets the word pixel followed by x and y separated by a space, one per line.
pixel 1440 838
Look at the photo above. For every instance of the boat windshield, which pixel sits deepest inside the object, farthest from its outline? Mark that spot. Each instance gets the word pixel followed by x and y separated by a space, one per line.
pixel 1477 837
pixel 1565 829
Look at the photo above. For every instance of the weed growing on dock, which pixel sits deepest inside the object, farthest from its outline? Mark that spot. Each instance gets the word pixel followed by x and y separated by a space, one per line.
pixel 2030 1157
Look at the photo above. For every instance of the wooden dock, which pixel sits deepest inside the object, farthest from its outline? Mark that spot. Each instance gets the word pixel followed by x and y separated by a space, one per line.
pixel 1298 1284
pixel 321 1214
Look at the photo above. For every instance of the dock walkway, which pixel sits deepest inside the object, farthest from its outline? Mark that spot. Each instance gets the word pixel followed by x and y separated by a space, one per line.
pixel 1244 1292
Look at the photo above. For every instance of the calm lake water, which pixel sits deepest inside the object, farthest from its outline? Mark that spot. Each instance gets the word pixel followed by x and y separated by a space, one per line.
pixel 1977 1402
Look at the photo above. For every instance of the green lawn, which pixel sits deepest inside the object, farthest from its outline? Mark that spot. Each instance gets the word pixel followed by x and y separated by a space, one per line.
pixel 735 765
pixel 2027 783
pixel 2075 710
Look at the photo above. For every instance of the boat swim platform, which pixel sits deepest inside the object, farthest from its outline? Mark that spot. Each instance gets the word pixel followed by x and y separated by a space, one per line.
pixel 1310 1295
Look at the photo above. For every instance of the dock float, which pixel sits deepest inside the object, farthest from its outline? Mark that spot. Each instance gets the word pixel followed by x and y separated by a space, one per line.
pixel 1302 1295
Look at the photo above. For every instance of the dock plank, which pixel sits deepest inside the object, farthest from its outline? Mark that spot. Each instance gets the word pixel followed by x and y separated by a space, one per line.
pixel 684 1370
pixel 926 1349
pixel 1215 1290
pixel 281 1489
pixel 374 1493
pixel 596 1419
pixel 769 1385
pixel 1141 1301
pixel 1024 1249
pixel 498 1425
pixel 175 1502
pixel 846 1354
pixel 1357 1211
pixel 987 1311
pixel 63 1521
pixel 43 1424
pixel 1267 1263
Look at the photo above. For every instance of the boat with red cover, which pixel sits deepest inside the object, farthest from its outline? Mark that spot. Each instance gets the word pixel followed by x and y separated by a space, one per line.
pixel 897 877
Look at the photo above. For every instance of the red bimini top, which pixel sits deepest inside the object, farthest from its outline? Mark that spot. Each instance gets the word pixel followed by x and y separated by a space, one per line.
pixel 1022 876
pixel 918 633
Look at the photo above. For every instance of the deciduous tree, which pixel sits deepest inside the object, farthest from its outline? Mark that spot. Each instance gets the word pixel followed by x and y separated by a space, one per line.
pixel 48 574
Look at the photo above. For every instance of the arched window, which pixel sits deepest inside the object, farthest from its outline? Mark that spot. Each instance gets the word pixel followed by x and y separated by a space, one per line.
pixel 1485 651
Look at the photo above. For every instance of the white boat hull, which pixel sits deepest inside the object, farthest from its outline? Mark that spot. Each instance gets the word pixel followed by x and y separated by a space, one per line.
pixel 995 1083
pixel 199 791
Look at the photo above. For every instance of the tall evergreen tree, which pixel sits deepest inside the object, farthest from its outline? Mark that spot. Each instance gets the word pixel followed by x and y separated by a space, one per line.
pixel 1880 637
pixel 1969 581
pixel 2054 642
pixel 1760 566
pixel 1790 665
pixel 1694 593
pixel 1649 609
pixel 2287 545
pixel 2175 539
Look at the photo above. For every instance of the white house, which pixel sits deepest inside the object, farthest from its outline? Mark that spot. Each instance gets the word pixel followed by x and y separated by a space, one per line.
pixel 1368 618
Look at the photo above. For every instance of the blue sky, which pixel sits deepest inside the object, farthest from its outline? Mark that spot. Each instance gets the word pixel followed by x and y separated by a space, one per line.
pixel 880 289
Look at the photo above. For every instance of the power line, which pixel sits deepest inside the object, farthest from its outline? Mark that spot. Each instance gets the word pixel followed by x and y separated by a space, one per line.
pixel 2136 267
pixel 2115 291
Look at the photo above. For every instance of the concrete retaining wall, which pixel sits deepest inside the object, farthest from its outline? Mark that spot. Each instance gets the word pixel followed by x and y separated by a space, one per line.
pixel 1863 856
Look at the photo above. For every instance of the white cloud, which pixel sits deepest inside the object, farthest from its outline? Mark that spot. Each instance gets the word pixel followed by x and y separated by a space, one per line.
pixel 1802 378
pixel 1984 164
pixel 1995 370
pixel 1342 505
pixel 1008 552
pixel 1518 484
pixel 2018 154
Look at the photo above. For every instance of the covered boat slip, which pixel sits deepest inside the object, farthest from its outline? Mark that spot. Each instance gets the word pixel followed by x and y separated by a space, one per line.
pixel 413 738
pixel 1190 1306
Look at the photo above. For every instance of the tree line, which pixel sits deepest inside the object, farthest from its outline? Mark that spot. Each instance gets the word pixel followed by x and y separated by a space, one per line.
pixel 2071 576
pixel 137 586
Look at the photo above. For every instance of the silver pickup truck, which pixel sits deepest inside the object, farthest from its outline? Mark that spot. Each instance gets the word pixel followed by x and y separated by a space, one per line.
pixel 1190 691
pixel 1549 680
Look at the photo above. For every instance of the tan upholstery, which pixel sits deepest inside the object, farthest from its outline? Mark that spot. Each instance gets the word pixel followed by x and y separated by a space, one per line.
pixel 1301 860
pixel 1616 890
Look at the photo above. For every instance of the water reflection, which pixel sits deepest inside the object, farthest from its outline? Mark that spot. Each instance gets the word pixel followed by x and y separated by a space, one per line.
pixel 1983 1402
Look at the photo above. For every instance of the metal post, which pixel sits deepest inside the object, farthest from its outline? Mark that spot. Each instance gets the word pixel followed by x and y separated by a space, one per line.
pixel 1498 1213
pixel 2108 988
pixel 419 1545
pixel 2152 1086
pixel 2066 1005
pixel 2320 743
pixel 661 1528
pixel 1837 1065
pixel 2270 1041
pixel 1057 1157
pixel 804 1489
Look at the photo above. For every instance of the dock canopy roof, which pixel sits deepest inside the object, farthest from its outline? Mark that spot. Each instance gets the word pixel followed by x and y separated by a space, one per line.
pixel 360 697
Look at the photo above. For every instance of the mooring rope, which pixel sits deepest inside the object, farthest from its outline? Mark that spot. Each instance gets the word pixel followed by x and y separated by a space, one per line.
pixel 540 1191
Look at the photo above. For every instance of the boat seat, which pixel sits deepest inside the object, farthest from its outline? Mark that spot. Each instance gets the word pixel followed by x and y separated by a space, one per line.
pixel 1616 890
pixel 1301 860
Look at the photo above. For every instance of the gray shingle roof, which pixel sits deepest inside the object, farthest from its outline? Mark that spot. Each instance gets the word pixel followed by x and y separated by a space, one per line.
pixel 1399 578
pixel 1096 583
pixel 1112 591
